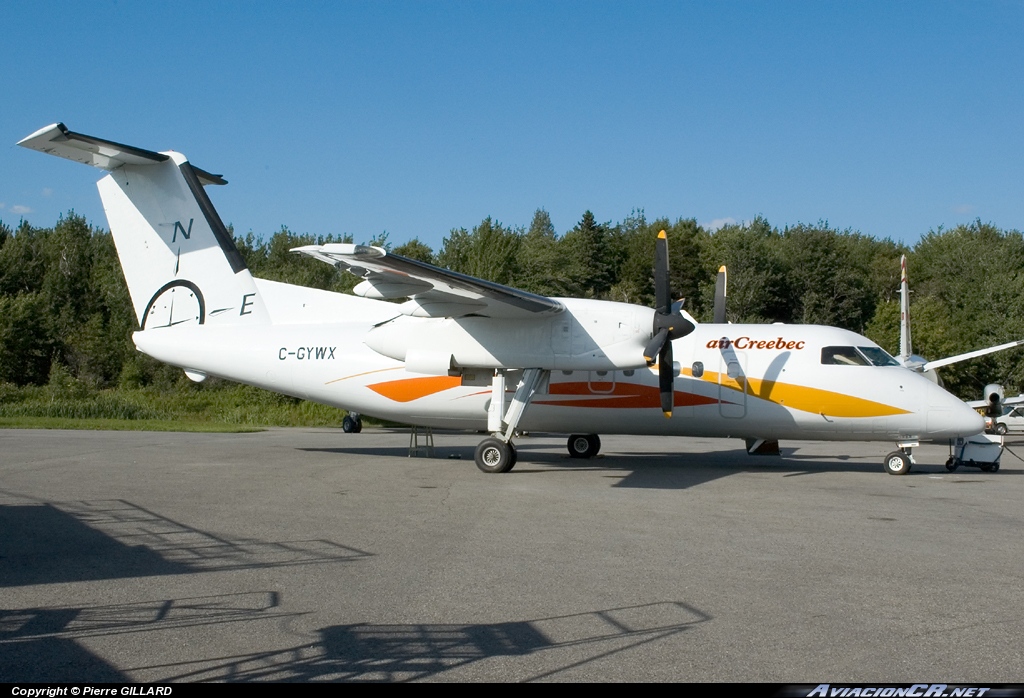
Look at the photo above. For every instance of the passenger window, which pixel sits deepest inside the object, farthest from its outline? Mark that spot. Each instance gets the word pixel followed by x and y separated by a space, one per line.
pixel 843 356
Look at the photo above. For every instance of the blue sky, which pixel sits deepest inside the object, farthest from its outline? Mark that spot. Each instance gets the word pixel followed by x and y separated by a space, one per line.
pixel 416 117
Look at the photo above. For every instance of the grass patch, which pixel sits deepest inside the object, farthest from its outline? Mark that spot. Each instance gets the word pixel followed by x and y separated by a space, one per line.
pixel 67 403
pixel 123 425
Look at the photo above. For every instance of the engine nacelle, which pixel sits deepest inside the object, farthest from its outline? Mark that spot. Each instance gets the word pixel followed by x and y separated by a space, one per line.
pixel 588 335
pixel 994 397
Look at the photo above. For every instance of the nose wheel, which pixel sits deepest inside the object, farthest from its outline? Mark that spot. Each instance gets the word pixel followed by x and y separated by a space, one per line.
pixel 897 463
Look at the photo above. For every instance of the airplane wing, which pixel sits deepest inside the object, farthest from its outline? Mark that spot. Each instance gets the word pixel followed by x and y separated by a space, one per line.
pixel 432 291
pixel 938 363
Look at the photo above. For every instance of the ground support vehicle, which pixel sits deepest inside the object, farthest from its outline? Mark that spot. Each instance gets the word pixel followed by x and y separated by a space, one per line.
pixel 978 451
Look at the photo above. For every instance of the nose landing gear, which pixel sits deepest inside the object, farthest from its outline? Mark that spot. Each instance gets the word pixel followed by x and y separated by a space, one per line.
pixel 899 462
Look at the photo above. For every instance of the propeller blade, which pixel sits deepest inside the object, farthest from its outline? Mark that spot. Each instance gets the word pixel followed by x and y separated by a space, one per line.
pixel 662 287
pixel 654 346
pixel 666 379
pixel 720 295
pixel 669 324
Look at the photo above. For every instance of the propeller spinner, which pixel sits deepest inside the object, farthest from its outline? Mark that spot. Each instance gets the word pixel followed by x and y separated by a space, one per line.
pixel 669 324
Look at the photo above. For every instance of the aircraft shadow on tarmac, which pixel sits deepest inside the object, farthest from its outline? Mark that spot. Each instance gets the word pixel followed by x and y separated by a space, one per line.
pixel 371 652
pixel 648 469
pixel 109 539
pixel 42 644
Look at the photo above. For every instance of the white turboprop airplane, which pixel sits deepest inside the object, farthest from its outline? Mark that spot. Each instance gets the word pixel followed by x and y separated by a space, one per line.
pixel 465 353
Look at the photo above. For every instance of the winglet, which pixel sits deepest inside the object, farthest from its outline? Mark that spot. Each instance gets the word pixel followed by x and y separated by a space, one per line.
pixel 662 235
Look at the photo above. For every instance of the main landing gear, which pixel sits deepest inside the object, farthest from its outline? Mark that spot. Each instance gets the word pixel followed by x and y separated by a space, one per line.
pixel 584 445
pixel 352 424
pixel 495 456
pixel 496 453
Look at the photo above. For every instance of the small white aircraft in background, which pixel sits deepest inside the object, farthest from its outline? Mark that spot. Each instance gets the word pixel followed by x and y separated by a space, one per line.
pixel 466 353
pixel 917 363
pixel 994 399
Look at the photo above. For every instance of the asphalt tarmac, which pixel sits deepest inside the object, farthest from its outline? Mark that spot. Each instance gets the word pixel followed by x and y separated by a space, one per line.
pixel 315 555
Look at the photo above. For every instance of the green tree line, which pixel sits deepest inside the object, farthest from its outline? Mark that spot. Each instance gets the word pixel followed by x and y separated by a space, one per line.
pixel 65 313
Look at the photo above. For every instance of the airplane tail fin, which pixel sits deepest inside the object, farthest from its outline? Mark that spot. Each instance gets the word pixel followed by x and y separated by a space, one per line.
pixel 178 258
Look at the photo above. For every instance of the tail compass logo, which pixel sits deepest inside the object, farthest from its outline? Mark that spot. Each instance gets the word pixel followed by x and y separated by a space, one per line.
pixel 179 302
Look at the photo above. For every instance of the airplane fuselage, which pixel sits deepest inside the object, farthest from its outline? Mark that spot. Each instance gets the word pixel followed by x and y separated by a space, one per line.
pixel 749 381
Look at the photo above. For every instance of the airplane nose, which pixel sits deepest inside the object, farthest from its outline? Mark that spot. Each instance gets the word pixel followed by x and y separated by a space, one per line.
pixel 949 417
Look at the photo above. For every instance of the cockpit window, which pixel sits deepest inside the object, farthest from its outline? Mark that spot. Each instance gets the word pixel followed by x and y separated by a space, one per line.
pixel 843 356
pixel 879 357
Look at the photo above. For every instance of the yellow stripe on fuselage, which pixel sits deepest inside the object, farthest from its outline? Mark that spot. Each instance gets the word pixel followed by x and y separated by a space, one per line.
pixel 799 397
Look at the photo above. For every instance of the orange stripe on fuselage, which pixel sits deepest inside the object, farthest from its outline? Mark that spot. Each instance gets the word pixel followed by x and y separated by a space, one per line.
pixel 409 389
pixel 622 395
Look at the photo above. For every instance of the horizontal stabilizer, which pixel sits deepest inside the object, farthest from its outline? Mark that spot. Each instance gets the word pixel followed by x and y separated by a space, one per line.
pixel 57 140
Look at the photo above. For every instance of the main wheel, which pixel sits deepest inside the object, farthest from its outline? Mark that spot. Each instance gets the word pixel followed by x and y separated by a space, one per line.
pixel 351 426
pixel 1001 429
pixel 583 445
pixel 897 463
pixel 495 456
